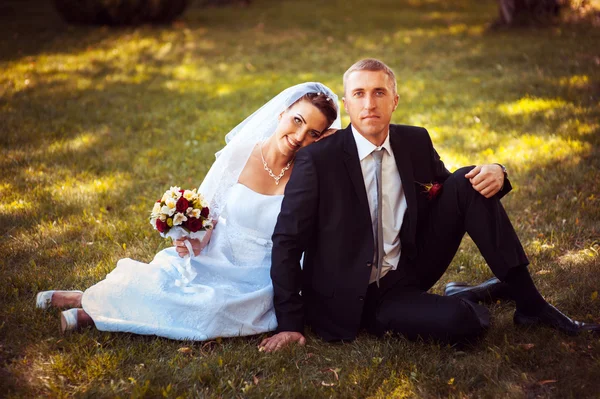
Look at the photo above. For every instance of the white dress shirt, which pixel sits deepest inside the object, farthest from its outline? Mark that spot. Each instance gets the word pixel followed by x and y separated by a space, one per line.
pixel 394 200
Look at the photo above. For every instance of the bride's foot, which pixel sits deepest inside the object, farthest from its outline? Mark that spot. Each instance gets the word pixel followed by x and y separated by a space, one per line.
pixel 74 319
pixel 59 299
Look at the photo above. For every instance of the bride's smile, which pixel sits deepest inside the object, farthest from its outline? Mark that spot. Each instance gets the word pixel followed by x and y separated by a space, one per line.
pixel 299 126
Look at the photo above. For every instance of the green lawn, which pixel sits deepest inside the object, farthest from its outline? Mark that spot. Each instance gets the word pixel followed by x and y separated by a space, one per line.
pixel 95 123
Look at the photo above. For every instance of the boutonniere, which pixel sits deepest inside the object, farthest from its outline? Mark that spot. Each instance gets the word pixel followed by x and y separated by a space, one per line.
pixel 431 190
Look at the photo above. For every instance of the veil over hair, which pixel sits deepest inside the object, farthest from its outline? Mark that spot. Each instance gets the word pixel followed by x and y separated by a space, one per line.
pixel 240 141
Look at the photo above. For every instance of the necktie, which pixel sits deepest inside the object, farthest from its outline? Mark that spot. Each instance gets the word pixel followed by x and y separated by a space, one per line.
pixel 378 157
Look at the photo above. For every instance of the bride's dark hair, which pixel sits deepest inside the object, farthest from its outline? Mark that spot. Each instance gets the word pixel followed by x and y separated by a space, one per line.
pixel 323 103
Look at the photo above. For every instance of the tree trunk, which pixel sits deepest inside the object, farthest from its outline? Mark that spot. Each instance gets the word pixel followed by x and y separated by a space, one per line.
pixel 120 12
pixel 522 12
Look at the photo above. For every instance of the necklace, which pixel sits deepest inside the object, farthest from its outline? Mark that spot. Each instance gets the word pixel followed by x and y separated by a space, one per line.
pixel 270 171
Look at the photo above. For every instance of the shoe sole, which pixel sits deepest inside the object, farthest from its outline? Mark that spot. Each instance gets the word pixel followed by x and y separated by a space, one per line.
pixel 63 324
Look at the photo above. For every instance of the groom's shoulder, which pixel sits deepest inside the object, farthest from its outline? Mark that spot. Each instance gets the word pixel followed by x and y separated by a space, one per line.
pixel 327 146
pixel 411 135
pixel 408 130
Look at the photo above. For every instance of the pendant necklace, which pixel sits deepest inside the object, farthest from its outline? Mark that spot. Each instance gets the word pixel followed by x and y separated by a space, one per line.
pixel 276 178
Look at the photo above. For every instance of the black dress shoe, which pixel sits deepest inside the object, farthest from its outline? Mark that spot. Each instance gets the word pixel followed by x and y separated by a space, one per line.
pixel 551 317
pixel 487 292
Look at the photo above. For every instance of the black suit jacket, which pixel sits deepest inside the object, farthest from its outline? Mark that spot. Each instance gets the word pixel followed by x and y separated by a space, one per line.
pixel 325 215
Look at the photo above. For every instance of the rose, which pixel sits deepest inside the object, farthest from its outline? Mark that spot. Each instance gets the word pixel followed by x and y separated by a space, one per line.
pixel 204 212
pixel 161 226
pixel 434 190
pixel 182 205
pixel 194 224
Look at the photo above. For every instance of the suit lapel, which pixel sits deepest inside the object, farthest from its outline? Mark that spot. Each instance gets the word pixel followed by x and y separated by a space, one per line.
pixel 406 175
pixel 353 167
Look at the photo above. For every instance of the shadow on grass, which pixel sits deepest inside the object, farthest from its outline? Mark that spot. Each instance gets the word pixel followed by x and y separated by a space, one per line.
pixel 113 117
pixel 55 36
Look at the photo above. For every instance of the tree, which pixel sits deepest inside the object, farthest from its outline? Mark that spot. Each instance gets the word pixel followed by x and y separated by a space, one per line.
pixel 520 12
pixel 120 12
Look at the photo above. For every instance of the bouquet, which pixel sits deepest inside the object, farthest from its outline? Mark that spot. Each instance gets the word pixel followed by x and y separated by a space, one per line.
pixel 181 213
pixel 178 214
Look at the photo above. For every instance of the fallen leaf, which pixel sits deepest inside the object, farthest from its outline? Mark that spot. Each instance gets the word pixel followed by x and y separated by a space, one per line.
pixel 327 384
pixel 255 380
pixel 185 349
pixel 542 272
pixel 335 372
pixel 594 295
pixel 547 382
pixel 451 381
pixel 526 346
pixel 208 344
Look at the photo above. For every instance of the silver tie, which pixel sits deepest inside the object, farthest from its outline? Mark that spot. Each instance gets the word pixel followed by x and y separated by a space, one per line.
pixel 378 157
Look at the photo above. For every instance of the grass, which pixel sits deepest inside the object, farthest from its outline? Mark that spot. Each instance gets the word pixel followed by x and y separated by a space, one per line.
pixel 95 123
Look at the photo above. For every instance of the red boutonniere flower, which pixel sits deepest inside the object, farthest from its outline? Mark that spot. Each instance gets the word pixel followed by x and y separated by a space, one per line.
pixel 432 190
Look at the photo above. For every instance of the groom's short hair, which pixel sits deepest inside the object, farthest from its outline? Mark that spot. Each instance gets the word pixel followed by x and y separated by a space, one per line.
pixel 371 64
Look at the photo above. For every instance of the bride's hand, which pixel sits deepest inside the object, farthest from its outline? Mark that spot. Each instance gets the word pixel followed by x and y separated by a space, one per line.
pixel 327 133
pixel 197 245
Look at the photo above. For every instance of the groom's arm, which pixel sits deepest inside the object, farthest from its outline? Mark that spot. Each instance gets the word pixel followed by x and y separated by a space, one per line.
pixel 295 226
pixel 488 180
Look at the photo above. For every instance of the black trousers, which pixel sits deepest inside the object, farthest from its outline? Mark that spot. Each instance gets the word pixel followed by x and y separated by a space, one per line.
pixel 402 305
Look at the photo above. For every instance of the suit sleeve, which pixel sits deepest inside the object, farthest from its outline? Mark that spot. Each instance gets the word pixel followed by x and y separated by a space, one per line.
pixel 506 188
pixel 441 173
pixel 439 169
pixel 295 225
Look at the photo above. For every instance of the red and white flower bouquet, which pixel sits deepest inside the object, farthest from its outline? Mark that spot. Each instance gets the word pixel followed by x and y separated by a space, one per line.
pixel 179 214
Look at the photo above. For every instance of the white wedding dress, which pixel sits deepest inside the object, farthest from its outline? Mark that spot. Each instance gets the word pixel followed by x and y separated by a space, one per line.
pixel 231 295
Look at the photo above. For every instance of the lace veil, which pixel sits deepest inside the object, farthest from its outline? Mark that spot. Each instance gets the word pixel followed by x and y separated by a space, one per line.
pixel 240 141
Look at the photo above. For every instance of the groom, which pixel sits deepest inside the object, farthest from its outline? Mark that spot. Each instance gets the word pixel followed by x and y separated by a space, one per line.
pixel 379 219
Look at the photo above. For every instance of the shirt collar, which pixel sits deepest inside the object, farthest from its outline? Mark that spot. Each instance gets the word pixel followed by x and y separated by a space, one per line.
pixel 365 147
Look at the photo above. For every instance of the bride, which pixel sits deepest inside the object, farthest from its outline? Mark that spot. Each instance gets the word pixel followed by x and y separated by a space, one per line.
pixel 232 294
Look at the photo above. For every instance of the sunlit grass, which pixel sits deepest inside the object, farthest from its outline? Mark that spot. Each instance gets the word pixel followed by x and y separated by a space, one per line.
pixel 96 122
pixel 526 106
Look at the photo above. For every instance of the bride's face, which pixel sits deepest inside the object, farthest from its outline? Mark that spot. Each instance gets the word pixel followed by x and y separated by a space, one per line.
pixel 299 126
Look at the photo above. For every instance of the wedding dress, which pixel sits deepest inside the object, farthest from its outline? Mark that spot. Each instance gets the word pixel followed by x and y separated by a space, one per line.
pixel 231 295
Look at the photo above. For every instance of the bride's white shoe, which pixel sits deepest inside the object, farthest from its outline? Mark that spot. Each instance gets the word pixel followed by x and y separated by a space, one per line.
pixel 43 300
pixel 68 320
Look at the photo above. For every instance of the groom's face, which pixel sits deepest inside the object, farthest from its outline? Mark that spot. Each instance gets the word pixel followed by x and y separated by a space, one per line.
pixel 370 100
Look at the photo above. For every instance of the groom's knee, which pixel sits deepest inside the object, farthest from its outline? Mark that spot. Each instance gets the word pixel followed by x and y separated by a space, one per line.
pixel 458 180
pixel 466 322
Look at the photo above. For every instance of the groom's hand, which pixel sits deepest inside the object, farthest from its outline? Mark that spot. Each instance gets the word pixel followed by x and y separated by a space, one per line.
pixel 280 341
pixel 487 179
